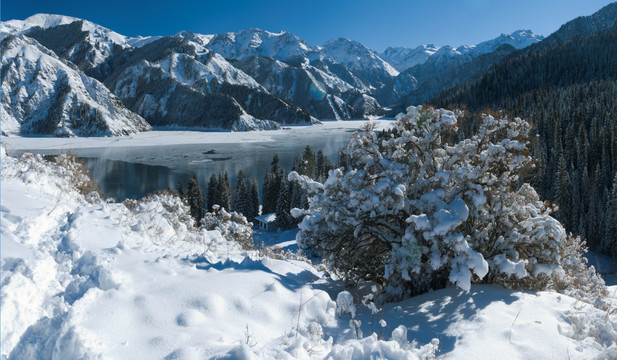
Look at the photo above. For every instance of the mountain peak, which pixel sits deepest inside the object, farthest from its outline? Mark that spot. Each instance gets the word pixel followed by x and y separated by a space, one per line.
pixel 258 42
pixel 601 20
pixel 519 39
pixel 41 20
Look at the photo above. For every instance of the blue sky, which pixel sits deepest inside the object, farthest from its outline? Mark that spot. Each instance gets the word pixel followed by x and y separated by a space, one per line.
pixel 378 24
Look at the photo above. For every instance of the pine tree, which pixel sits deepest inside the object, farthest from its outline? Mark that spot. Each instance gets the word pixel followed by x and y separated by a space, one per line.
pixel 563 193
pixel 609 243
pixel 223 191
pixel 283 217
pixel 212 192
pixel 271 187
pixel 307 164
pixel 179 189
pixel 252 207
pixel 195 199
pixel 239 195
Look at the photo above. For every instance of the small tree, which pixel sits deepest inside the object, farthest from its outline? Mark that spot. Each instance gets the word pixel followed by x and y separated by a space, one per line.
pixel 414 212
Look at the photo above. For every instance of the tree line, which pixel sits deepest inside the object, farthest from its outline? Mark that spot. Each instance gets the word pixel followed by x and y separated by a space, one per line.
pixel 569 92
pixel 278 195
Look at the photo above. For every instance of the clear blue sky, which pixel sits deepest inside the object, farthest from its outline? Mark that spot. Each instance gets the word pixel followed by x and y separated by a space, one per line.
pixel 378 24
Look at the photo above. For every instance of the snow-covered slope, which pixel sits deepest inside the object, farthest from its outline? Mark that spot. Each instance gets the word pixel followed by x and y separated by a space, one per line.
pixel 356 56
pixel 83 42
pixel 402 58
pixel 43 94
pixel 44 21
pixel 256 42
pixel 309 88
pixel 174 81
pixel 405 58
pixel 91 279
pixel 601 20
pixel 519 39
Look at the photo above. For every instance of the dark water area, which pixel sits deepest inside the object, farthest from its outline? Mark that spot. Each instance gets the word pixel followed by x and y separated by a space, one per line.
pixel 133 172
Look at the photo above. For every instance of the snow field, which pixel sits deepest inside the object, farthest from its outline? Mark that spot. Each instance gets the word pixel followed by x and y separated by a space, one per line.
pixel 106 280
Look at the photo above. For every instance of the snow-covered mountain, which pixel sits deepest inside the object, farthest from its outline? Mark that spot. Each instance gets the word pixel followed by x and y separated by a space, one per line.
pixel 43 94
pixel 256 42
pixel 324 95
pixel 405 58
pixel 173 81
pixel 84 43
pixel 402 58
pixel 374 72
pixel 448 66
pixel 216 80
pixel 601 20
pixel 356 56
pixel 519 39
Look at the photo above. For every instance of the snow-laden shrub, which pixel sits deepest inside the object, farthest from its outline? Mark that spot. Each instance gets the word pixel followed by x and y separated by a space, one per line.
pixel 414 212
pixel 232 226
pixel 64 172
pixel 162 216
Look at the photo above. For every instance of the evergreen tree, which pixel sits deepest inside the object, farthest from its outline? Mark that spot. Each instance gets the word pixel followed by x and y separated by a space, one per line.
pixel 179 189
pixel 252 206
pixel 223 191
pixel 307 163
pixel 283 217
pixel 195 199
pixel 271 186
pixel 323 166
pixel 212 192
pixel 239 195
pixel 609 243
pixel 563 193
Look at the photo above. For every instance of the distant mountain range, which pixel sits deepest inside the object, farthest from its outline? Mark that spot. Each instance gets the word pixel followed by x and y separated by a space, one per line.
pixel 251 79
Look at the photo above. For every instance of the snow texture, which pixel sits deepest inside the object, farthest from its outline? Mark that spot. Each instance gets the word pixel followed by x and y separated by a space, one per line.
pixel 87 278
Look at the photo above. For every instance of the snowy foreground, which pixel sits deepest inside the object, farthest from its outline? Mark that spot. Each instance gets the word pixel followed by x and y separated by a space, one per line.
pixel 89 279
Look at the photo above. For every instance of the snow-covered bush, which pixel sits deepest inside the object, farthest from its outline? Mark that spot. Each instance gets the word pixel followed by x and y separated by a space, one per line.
pixel 414 212
pixel 162 216
pixel 232 226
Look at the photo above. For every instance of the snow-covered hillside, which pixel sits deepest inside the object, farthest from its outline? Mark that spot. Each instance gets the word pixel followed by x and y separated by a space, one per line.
pixel 98 42
pixel 357 56
pixel 402 58
pixel 405 58
pixel 45 95
pixel 251 42
pixel 85 278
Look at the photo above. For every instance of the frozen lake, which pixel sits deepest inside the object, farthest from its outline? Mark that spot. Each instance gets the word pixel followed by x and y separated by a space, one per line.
pixel 130 167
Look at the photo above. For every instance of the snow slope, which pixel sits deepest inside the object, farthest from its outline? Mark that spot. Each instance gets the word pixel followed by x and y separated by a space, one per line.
pixel 251 42
pixel 402 58
pixel 100 39
pixel 44 94
pixel 94 279
pixel 357 56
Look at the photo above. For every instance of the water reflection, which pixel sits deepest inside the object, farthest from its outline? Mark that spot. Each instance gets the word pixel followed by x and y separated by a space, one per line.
pixel 136 171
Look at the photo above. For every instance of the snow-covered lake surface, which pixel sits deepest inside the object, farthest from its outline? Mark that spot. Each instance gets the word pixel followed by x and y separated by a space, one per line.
pixel 136 165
